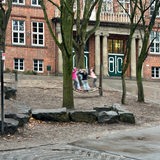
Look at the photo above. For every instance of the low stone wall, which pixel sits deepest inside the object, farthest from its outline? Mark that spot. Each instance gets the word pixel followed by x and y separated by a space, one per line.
pixel 104 114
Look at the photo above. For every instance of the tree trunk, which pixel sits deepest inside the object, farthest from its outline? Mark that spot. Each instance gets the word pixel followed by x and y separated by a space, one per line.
pixel 80 57
pixel 140 61
pixel 68 101
pixel 67 18
pixel 123 99
pixel 140 85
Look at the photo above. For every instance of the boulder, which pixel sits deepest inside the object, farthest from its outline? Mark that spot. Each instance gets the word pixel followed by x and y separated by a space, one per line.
pixel 10 126
pixel 21 118
pixel 56 115
pixel 10 92
pixel 108 117
pixel 127 117
pixel 88 116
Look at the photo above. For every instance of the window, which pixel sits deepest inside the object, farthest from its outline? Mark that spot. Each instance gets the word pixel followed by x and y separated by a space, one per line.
pixel 18 32
pixel 38 65
pixel 107 6
pixel 126 5
pixel 21 2
pixel 115 46
pixel 152 9
pixel 18 64
pixel 37 34
pixel 155 72
pixel 155 42
pixel 35 3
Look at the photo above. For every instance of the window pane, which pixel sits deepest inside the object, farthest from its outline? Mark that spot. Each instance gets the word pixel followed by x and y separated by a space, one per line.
pixel 34 27
pixel 40 39
pixel 34 2
pixel 38 33
pixel 21 25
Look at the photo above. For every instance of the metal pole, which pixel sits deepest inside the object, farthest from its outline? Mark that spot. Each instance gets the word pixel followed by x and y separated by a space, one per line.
pixel 2 96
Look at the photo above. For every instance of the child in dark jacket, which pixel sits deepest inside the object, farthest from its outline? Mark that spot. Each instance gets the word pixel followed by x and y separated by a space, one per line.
pixel 86 86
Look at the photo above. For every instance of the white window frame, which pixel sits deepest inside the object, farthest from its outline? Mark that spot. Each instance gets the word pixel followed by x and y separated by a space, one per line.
pixel 20 30
pixel 37 34
pixel 36 4
pixel 107 6
pixel 18 2
pixel 155 45
pixel 20 64
pixel 155 72
pixel 39 62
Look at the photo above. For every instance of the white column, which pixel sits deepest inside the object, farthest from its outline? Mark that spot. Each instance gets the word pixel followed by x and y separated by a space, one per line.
pixel 60 60
pixel 97 54
pixel 105 56
pixel 139 51
pixel 133 58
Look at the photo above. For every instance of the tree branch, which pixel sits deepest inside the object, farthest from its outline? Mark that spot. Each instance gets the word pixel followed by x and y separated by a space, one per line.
pixel 48 23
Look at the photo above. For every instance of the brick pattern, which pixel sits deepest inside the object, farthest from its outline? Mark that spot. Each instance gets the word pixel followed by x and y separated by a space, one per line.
pixel 28 52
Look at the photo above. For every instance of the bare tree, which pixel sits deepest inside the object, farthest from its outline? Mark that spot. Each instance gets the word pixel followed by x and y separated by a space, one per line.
pixel 67 20
pixel 134 22
pixel 83 33
pixel 147 26
pixel 144 25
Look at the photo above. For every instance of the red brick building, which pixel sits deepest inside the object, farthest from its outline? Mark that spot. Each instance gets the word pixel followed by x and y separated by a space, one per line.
pixel 30 47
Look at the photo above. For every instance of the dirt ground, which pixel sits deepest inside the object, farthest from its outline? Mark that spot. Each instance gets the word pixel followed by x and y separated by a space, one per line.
pixel 46 92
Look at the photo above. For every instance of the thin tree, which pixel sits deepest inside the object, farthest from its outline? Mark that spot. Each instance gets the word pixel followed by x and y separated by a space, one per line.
pixel 67 20
pixel 147 27
pixel 82 17
pixel 134 22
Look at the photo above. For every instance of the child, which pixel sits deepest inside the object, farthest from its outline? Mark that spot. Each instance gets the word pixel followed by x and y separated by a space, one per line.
pixel 75 79
pixel 85 80
pixel 93 75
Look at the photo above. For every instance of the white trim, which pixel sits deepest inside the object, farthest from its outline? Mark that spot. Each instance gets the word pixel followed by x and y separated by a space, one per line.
pixel 18 63
pixel 18 3
pixel 37 33
pixel 18 32
pixel 115 54
pixel 38 60
pixel 35 5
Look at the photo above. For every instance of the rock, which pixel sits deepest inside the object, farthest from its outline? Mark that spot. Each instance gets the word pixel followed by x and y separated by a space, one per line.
pixel 56 115
pixel 105 108
pixel 127 117
pixel 88 116
pixel 10 126
pixel 21 118
pixel 117 107
pixel 108 117
pixel 10 92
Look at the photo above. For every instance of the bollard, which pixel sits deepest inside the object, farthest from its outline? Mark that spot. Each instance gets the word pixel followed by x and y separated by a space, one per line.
pixel 16 76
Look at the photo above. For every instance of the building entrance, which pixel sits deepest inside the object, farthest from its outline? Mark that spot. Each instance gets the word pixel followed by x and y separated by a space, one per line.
pixel 115 64
pixel 115 57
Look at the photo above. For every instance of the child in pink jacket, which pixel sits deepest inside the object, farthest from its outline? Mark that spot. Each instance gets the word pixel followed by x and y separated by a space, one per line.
pixel 75 79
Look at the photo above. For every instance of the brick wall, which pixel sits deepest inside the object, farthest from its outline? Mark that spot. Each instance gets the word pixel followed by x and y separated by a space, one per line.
pixel 27 51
